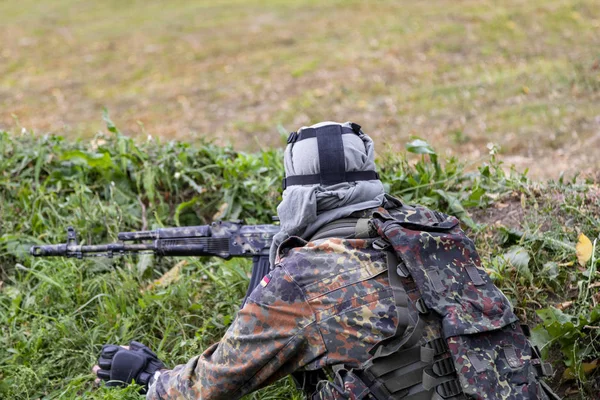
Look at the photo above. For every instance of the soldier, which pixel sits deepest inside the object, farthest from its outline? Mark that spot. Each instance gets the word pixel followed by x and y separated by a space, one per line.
pixel 331 302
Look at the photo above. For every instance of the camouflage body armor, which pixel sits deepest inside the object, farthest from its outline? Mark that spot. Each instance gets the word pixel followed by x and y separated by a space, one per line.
pixel 457 336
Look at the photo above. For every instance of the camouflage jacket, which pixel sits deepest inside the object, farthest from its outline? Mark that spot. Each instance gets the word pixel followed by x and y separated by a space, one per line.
pixel 329 302
pixel 326 302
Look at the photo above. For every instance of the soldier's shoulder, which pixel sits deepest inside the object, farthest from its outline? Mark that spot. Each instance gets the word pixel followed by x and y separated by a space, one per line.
pixel 330 260
pixel 277 286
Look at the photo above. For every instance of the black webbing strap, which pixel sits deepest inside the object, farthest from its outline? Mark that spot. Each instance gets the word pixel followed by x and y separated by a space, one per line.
pixel 401 302
pixel 425 390
pixel 450 390
pixel 332 163
pixel 308 133
pixel 403 337
pixel 541 368
pixel 402 358
pixel 392 344
pixel 421 394
pixel 438 345
pixel 415 374
pixel 444 366
pixel 376 388
pixel 352 176
pixel 404 378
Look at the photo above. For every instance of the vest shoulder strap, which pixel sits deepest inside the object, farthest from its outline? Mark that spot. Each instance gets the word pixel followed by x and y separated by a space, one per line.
pixel 347 228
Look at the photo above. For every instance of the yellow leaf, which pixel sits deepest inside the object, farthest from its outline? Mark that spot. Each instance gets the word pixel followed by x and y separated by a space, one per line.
pixel 221 212
pixel 169 277
pixel 564 305
pixel 584 249
pixel 586 368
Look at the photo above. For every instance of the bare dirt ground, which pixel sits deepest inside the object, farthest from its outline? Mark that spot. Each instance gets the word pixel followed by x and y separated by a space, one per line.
pixel 522 74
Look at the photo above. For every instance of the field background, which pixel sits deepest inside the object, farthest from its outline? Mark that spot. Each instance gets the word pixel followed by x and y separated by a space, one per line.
pixel 200 95
pixel 524 74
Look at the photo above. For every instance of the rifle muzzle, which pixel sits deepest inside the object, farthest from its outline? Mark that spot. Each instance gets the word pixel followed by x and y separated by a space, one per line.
pixel 49 250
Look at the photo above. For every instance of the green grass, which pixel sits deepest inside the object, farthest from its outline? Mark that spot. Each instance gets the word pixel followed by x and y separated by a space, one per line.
pixel 56 313
pixel 235 70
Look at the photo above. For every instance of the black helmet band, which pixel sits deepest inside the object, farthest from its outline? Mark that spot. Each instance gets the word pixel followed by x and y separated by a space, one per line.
pixel 332 162
pixel 308 133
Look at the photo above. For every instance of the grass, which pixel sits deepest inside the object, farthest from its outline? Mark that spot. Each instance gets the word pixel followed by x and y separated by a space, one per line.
pixel 522 74
pixel 56 313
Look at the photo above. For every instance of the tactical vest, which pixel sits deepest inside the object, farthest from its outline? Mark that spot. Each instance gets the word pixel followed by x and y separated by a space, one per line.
pixel 457 336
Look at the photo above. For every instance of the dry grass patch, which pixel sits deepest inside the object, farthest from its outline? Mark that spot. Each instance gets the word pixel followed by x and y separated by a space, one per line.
pixel 523 74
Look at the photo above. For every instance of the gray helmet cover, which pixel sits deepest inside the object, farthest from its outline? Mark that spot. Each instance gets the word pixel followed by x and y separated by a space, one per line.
pixel 304 209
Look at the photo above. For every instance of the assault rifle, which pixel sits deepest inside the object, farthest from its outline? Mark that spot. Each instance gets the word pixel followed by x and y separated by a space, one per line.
pixel 221 239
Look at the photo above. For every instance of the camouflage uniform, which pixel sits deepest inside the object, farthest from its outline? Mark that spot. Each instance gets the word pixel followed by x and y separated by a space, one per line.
pixel 329 302
pixel 325 303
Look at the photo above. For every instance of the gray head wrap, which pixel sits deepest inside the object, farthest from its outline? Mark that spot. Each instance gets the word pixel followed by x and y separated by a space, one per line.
pixel 306 208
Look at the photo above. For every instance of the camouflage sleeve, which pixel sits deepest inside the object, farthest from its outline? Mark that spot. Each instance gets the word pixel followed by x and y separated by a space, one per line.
pixel 273 335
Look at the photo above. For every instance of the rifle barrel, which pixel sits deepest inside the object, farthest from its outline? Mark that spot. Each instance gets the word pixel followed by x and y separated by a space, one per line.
pixel 79 251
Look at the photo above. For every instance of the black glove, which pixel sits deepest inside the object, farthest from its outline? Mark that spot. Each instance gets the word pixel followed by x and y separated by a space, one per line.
pixel 121 366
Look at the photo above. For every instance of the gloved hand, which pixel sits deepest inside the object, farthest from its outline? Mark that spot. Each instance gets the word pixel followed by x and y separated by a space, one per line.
pixel 120 366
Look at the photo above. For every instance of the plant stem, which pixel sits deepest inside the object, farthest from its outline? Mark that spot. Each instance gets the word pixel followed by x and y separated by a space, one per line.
pixel 591 272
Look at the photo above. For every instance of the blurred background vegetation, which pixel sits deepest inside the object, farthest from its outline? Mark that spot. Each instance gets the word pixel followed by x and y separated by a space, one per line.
pixel 524 74
pixel 202 93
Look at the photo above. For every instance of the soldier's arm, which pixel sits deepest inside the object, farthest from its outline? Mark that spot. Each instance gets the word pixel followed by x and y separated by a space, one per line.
pixel 273 335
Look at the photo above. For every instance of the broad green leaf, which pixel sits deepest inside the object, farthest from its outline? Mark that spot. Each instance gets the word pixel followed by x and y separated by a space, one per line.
pixel 41 158
pixel 541 338
pixel 183 206
pixel 109 124
pixel 476 194
pixel 144 261
pixel 93 160
pixel 550 270
pixel 456 207
pixel 560 326
pixel 199 189
pixel 485 171
pixel 419 146
pixel 553 315
pixel 518 257
pixel 148 182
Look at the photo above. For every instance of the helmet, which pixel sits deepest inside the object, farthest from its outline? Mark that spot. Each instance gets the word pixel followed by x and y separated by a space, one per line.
pixel 331 155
